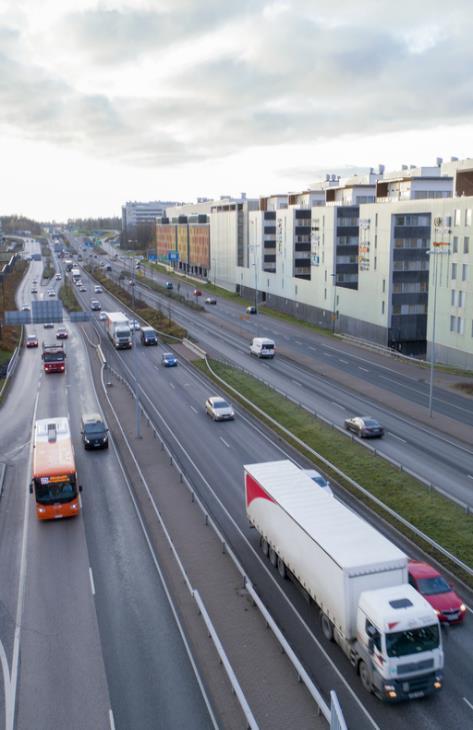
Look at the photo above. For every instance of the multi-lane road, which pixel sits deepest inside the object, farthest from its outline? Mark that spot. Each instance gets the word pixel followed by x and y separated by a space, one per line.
pixel 71 613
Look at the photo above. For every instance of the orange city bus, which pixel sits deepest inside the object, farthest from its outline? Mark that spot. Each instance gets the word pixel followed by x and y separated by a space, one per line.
pixel 54 481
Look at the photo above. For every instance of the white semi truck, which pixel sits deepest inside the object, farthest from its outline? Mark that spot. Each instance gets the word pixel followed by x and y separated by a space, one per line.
pixel 118 329
pixel 355 575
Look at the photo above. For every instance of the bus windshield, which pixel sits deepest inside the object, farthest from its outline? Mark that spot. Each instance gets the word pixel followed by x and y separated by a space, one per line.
pixel 414 641
pixel 52 492
pixel 56 356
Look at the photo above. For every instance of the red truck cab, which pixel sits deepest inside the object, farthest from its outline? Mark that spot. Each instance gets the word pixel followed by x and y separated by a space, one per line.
pixel 54 358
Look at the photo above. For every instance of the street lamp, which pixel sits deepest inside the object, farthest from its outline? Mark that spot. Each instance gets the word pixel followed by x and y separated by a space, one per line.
pixel 439 248
pixel 134 356
pixel 334 313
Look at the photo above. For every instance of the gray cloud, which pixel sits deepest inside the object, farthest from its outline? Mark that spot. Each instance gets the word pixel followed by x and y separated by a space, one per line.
pixel 296 78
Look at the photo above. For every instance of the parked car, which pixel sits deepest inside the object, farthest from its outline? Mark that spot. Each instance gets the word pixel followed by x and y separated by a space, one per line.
pixel 31 341
pixel 94 431
pixel 103 316
pixel 168 359
pixel 218 409
pixel 169 285
pixel 95 305
pixel 251 310
pixel 432 585
pixel 211 300
pixel 61 333
pixel 98 289
pixel 320 480
pixel 364 427
pixel 197 293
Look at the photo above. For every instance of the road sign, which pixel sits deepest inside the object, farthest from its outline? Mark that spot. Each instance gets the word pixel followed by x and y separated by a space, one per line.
pixel 173 255
pixel 46 311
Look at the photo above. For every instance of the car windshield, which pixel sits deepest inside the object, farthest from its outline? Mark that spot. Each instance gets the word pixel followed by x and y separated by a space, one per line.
pixel 433 586
pixel 32 338
pixel 320 481
pixel 371 423
pixel 94 427
pixel 221 404
pixel 403 643
pixel 168 356
pixel 52 492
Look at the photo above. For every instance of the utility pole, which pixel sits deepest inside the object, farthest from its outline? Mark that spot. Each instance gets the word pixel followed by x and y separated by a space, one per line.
pixel 135 358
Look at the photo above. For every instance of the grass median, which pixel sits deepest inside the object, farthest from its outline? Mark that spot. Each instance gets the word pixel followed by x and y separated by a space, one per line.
pixel 439 518
pixel 68 297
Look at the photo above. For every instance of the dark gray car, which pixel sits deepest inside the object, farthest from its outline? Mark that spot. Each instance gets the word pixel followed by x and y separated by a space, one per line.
pixel 94 431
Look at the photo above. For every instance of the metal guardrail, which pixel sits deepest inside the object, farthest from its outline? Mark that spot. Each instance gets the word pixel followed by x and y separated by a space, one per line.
pixel 301 673
pixel 340 473
pixel 11 368
pixel 381 349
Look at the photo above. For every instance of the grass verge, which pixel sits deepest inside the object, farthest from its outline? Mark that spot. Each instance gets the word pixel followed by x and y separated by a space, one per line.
pixel 159 320
pixel 437 517
pixel 68 297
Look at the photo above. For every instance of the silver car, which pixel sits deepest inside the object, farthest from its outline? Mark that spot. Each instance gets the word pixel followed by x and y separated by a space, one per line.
pixel 218 409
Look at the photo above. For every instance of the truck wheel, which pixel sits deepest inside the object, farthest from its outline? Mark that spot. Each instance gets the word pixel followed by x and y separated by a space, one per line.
pixel 327 628
pixel 264 547
pixel 273 558
pixel 365 676
pixel 281 568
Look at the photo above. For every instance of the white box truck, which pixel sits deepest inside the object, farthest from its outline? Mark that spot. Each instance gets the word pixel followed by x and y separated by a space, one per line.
pixel 118 329
pixel 355 575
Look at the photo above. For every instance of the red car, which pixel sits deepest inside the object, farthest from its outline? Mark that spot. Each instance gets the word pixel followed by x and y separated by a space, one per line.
pixel 197 293
pixel 435 589
pixel 31 341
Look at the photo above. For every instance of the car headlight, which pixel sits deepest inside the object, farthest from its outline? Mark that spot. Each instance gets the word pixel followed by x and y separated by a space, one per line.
pixel 87 441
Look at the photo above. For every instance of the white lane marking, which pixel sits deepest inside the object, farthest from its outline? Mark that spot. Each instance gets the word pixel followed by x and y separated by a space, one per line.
pixel 312 348
pixel 193 409
pixel 224 442
pixel 345 362
pixel 21 587
pixel 338 405
pixel 92 584
pixel 468 703
pixel 470 476
pixel 327 354
pixel 296 382
pixel 6 685
pixel 394 436
pixel 172 386
pixel 112 721
pixel 298 342
pixel 364 369
pixel 255 553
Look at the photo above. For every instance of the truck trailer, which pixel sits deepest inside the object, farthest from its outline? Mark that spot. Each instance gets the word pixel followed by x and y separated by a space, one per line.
pixel 118 329
pixel 356 577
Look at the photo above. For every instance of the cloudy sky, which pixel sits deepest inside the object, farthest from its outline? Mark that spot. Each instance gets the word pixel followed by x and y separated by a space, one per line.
pixel 102 102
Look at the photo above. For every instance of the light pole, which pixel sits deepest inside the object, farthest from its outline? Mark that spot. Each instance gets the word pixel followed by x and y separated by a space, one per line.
pixel 439 248
pixel 135 360
pixel 334 314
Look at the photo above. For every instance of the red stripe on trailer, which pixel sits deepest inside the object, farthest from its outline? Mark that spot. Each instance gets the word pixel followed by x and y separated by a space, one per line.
pixel 254 490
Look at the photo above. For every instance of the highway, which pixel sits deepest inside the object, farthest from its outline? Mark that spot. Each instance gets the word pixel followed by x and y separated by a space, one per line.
pixel 212 456
pixel 88 633
pixel 436 457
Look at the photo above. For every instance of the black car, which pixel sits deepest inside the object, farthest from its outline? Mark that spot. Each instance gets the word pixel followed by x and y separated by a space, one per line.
pixel 148 336
pixel 169 285
pixel 94 431
pixel 365 427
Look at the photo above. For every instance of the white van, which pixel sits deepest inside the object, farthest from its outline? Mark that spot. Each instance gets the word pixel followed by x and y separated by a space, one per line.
pixel 262 347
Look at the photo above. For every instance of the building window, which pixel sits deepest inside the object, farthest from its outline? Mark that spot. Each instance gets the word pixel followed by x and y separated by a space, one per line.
pixel 460 325
pixel 452 299
pixel 375 262
pixel 466 244
pixel 452 323
pixel 457 217
pixel 382 307
pixel 465 272
pixel 455 244
pixel 461 299
pixel 454 272
pixel 468 217
pixel 325 293
pixel 384 285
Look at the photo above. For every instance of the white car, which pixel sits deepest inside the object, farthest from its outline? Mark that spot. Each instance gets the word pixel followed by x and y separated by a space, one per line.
pixel 102 316
pixel 218 409
pixel 320 480
pixel 51 293
pixel 134 325
pixel 58 277
pixel 98 289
